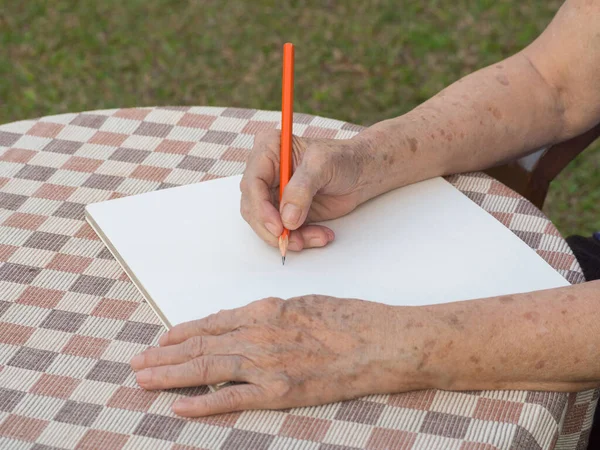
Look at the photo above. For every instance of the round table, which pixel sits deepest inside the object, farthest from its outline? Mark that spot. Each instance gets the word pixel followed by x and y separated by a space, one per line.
pixel 70 319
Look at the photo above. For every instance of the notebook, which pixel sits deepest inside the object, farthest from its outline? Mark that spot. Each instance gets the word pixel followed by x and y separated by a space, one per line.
pixel 190 253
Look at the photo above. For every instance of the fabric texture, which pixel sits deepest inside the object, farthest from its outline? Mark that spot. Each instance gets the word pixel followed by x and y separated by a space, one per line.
pixel 70 319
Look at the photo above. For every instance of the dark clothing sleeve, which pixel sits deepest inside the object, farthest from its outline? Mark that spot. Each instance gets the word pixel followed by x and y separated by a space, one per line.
pixel 587 252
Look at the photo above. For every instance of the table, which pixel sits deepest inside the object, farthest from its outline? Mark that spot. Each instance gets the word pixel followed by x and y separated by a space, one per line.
pixel 70 319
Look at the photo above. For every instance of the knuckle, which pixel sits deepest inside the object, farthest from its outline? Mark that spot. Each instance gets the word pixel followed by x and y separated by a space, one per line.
pixel 264 139
pixel 200 368
pixel 145 359
pixel 280 387
pixel 196 346
pixel 243 365
pixel 263 304
pixel 308 299
pixel 274 307
pixel 301 192
pixel 237 366
pixel 266 307
pixel 210 322
pixel 232 399
pixel 154 358
pixel 272 302
pixel 151 378
pixel 218 320
pixel 162 377
pixel 261 135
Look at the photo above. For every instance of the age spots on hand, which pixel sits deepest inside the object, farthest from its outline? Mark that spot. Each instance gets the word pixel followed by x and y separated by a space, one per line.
pixel 445 351
pixel 412 324
pixel 532 316
pixel 453 321
pixel 495 112
pixel 414 144
pixel 540 364
pixel 424 360
pixel 502 79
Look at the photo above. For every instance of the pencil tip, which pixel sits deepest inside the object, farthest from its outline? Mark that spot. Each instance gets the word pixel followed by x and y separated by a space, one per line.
pixel 283 260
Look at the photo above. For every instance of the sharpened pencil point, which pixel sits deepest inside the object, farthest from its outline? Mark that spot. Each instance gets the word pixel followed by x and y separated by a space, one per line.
pixel 283 245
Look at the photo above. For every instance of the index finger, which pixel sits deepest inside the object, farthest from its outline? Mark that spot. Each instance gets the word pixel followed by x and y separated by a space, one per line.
pixel 260 177
pixel 216 324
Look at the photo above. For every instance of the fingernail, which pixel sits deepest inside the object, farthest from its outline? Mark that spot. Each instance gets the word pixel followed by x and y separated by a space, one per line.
pixel 291 214
pixel 143 376
pixel 316 242
pixel 330 235
pixel 180 406
pixel 272 229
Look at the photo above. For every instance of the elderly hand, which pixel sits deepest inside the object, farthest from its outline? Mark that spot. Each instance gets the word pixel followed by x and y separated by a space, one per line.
pixel 331 178
pixel 303 351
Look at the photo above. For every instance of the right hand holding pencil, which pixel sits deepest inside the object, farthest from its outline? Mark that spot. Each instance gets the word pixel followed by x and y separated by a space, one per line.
pixel 329 180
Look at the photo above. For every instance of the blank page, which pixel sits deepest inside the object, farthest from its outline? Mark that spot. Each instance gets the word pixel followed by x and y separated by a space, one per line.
pixel 191 254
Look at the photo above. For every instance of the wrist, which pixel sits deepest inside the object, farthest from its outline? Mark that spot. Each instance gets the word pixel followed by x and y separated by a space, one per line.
pixel 398 152
pixel 421 350
pixel 383 155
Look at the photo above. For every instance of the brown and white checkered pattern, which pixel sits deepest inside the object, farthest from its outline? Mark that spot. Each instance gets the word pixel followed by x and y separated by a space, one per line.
pixel 70 319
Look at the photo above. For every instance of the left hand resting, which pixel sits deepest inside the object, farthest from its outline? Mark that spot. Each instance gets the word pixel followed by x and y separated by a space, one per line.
pixel 304 351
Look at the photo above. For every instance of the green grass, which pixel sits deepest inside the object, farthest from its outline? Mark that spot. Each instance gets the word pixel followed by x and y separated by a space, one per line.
pixel 360 61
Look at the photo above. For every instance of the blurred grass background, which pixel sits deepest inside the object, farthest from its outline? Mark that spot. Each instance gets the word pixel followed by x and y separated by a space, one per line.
pixel 359 61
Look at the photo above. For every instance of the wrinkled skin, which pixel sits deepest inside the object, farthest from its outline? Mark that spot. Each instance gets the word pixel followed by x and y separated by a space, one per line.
pixel 304 351
pixel 330 180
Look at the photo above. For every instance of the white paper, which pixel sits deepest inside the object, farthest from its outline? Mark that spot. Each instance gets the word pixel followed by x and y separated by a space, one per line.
pixel 426 243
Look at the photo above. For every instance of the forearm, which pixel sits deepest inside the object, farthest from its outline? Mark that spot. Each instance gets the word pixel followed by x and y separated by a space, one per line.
pixel 545 340
pixel 496 114
pixel 545 94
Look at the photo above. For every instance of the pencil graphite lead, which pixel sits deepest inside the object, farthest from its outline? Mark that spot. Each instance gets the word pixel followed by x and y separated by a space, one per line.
pixel 283 260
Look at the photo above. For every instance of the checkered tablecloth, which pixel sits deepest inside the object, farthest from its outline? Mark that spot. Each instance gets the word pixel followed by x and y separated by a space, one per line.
pixel 70 319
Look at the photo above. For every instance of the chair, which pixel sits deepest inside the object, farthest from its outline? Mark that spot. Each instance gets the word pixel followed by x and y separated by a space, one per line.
pixel 531 175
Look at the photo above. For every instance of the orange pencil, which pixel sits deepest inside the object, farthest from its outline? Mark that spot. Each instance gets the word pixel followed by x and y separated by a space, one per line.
pixel 285 155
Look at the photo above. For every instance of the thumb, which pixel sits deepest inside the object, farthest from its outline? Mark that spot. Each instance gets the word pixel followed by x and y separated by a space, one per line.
pixel 299 192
